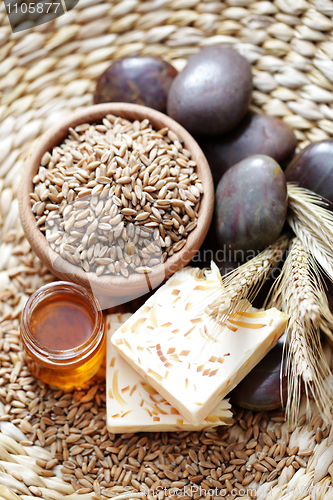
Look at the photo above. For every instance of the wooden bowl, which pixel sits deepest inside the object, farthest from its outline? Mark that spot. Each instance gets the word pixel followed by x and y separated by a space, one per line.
pixel 108 286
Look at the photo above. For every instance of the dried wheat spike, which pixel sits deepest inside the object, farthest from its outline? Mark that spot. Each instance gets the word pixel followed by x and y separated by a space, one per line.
pixel 319 251
pixel 299 292
pixel 313 224
pixel 245 281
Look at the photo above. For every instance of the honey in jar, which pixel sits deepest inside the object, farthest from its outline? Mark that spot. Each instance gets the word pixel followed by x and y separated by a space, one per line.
pixel 62 330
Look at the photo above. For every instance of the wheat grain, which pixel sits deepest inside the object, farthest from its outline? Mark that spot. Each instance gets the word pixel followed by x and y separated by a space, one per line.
pixel 90 457
pixel 102 180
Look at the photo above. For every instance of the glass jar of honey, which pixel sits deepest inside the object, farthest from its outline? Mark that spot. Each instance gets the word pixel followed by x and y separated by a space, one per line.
pixel 62 330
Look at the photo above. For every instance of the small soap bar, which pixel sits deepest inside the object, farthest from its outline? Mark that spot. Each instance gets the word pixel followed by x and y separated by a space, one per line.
pixel 181 352
pixel 134 406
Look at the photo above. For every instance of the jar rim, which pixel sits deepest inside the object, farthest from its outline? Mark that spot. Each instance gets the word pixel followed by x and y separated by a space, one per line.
pixel 61 356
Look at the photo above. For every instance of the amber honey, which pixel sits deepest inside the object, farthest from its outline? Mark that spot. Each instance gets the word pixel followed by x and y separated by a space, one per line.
pixel 62 330
pixel 62 322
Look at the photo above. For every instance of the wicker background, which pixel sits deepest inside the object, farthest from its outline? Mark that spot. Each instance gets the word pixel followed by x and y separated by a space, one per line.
pixel 49 71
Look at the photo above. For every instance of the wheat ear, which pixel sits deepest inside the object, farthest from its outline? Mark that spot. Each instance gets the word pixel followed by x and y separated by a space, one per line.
pixel 298 292
pixel 320 252
pixel 240 286
pixel 313 224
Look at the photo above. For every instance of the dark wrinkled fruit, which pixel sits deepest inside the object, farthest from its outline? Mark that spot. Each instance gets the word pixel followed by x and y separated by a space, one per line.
pixel 212 94
pixel 256 134
pixel 139 80
pixel 260 389
pixel 251 204
pixel 313 169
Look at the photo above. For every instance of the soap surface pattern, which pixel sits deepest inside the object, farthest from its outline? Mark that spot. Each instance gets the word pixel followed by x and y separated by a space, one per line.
pixel 177 348
pixel 135 406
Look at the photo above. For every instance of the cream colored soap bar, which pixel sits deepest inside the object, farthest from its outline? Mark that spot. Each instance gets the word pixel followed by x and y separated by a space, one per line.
pixel 134 406
pixel 177 351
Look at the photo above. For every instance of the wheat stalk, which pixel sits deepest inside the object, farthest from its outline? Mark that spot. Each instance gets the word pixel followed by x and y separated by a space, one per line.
pixel 299 293
pixel 240 286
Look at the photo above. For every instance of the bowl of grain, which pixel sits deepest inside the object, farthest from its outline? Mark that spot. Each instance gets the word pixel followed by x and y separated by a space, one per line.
pixel 116 198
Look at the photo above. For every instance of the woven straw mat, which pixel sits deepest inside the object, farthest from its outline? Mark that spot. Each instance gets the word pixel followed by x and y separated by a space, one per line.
pixel 45 74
